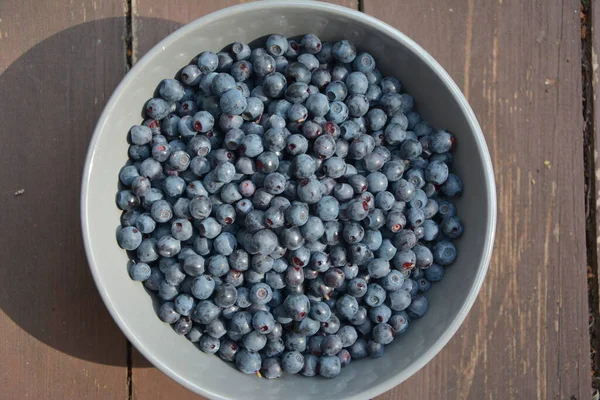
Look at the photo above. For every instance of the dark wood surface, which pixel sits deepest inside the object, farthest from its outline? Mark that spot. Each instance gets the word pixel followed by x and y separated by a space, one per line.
pixel 519 63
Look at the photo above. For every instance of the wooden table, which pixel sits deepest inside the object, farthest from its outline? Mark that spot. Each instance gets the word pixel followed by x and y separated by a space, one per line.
pixel 518 62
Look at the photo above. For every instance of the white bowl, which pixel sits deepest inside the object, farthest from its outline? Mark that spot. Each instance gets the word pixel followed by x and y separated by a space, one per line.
pixel 437 98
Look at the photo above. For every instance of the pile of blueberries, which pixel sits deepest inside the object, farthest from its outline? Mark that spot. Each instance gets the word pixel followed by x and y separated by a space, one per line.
pixel 288 205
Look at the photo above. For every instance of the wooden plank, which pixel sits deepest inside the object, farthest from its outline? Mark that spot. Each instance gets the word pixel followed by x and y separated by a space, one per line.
pixel 148 382
pixel 590 34
pixel 519 65
pixel 59 63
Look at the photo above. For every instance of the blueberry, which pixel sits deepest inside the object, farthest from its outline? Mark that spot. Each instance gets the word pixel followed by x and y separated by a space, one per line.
pixel 416 217
pixel 430 230
pixel 344 51
pixel 233 102
pixel 375 295
pixel 248 362
pixel 317 105
pixel 271 368
pixel 309 60
pixel 276 45
pixel 251 145
pixel 225 61
pixel 347 306
pixel 167 291
pixel 350 271
pixel 399 299
pixel 338 112
pixel 190 75
pixel 140 135
pixel 292 362
pixel 453 186
pixel 168 314
pixel 404 190
pixel 418 307
pixel 210 345
pixel 336 91
pixel 390 103
pixel 194 266
pixel 254 341
pixel 410 149
pixel 260 293
pixel 296 306
pixel 383 333
pixel 378 267
pixel 188 108
pixel 424 257
pixel 171 90
pixel 127 200
pixel 390 85
pixel 274 347
pixel 359 350
pixel 296 341
pixel 140 271
pixel 435 273
pixel 424 285
pixel 184 304
pixel 274 86
pixel 157 108
pixel 129 238
pixel 274 218
pixel 228 350
pixel 241 70
pixel 183 326
pixel 340 71
pixel 441 142
pixel 375 349
pixel 393 281
pixel 321 78
pixel 156 277
pixel 331 344
pixel 357 83
pixel 241 51
pixel 128 174
pixel 358 104
pixel 404 259
pixel 384 200
pixel 205 312
pixel 174 274
pixel 208 62
pixel 444 253
pixel 194 335
pixel 263 322
pixel 297 113
pixel 329 366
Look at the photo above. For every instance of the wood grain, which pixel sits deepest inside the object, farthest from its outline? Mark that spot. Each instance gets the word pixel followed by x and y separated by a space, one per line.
pixel 519 65
pixel 590 17
pixel 148 382
pixel 59 62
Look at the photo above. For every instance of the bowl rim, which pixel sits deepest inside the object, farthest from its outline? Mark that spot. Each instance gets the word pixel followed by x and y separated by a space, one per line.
pixel 374 23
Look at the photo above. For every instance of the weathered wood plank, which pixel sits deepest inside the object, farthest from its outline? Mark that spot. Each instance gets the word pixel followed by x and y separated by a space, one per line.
pixel 519 65
pixel 148 382
pixel 59 63
pixel 590 17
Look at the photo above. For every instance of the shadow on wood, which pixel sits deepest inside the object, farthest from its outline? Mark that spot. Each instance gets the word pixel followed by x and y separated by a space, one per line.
pixel 51 99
